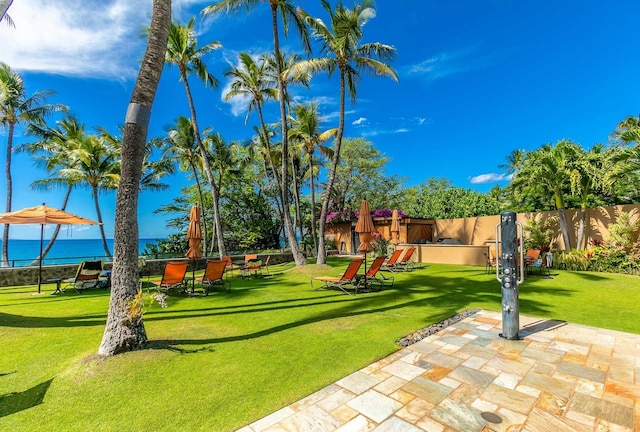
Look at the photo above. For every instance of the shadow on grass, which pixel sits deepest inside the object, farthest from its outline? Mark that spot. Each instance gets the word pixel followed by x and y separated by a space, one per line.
pixel 12 403
pixel 447 295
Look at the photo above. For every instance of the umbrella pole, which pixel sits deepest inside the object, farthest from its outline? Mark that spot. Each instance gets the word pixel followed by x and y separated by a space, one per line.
pixel 40 258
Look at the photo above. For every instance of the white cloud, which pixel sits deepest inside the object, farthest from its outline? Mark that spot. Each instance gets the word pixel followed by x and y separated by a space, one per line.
pixel 445 64
pixel 79 38
pixel 490 178
pixel 360 121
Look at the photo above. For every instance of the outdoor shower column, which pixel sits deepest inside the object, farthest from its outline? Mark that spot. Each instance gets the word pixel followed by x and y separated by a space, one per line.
pixel 508 263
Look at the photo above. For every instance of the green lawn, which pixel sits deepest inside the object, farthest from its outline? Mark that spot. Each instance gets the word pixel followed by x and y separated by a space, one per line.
pixel 217 363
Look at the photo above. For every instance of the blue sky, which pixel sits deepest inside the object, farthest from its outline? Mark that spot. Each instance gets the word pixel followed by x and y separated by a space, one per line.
pixel 478 79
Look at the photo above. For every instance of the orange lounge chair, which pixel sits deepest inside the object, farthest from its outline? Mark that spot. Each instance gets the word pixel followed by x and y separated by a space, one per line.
pixel 391 262
pixel 344 282
pixel 173 276
pixel 214 275
pixel 374 274
pixel 405 263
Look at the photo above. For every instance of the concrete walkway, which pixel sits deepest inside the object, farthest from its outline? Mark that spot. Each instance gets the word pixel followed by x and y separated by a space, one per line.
pixel 559 377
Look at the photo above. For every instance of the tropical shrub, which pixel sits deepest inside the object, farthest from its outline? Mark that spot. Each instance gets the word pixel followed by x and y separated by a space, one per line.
pixel 624 233
pixel 540 234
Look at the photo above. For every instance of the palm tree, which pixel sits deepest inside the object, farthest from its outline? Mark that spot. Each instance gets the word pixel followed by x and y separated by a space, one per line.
pixel 50 153
pixel 306 125
pixel 224 161
pixel 548 170
pixel 287 12
pixel 95 165
pixel 180 145
pixel 4 7
pixel 303 79
pixel 341 44
pixel 250 79
pixel 125 330
pixel 183 51
pixel 628 130
pixel 18 108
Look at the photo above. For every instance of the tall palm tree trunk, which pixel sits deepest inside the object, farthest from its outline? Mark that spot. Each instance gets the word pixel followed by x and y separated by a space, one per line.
pixel 94 192
pixel 56 231
pixel 7 172
pixel 314 234
pixel 207 166
pixel 125 330
pixel 298 256
pixel 322 252
pixel 204 222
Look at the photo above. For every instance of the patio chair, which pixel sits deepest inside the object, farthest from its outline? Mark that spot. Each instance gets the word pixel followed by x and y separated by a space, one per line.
pixel 228 264
pixel 173 276
pixel 214 275
pixel 391 262
pixel 265 265
pixel 247 259
pixel 405 263
pixel 374 275
pixel 491 263
pixel 544 263
pixel 253 268
pixel 87 276
pixel 348 280
pixel 532 256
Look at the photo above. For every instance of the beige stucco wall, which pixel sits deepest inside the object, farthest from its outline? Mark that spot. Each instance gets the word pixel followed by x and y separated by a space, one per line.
pixel 480 230
pixel 451 254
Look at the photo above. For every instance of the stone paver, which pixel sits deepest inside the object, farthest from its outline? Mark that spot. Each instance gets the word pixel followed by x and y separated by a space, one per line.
pixel 559 376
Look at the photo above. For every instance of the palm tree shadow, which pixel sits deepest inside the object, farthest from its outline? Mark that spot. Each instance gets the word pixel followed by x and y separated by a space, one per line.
pixel 170 345
pixel 12 403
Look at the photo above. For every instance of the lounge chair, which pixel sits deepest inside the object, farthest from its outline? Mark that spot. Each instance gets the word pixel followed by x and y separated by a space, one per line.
pixel 87 276
pixel 405 263
pixel 348 280
pixel 173 276
pixel 391 262
pixel 214 275
pixel 374 275
pixel 252 268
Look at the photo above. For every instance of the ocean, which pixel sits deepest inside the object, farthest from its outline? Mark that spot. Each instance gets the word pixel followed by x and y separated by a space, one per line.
pixel 64 251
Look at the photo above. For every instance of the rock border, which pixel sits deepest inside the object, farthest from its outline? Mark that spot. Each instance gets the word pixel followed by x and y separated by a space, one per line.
pixel 435 328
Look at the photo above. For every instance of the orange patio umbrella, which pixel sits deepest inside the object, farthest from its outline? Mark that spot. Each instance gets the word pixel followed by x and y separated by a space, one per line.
pixel 395 228
pixel 194 234
pixel 43 215
pixel 364 228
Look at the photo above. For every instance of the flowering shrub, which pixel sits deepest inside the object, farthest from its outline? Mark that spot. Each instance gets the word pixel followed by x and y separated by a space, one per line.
pixel 605 257
pixel 380 244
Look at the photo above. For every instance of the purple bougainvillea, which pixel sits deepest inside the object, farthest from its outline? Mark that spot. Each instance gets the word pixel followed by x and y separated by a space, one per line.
pixel 351 215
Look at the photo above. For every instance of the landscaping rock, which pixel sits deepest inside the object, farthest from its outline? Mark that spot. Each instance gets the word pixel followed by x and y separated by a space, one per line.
pixel 434 328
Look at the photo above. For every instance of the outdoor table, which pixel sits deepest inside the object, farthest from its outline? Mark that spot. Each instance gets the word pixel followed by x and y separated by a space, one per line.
pixel 58 282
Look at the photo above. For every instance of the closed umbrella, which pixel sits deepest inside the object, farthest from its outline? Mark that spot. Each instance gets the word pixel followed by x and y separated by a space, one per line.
pixel 194 234
pixel 364 228
pixel 395 228
pixel 43 215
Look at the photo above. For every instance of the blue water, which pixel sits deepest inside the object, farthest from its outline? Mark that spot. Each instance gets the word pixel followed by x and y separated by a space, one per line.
pixel 64 251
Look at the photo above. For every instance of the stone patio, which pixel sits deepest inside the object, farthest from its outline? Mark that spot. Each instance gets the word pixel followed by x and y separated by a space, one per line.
pixel 559 377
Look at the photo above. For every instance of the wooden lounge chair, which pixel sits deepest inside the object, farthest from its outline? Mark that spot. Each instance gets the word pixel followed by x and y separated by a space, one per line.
pixel 173 276
pixel 391 262
pixel 374 276
pixel 405 263
pixel 214 275
pixel 347 281
pixel 87 276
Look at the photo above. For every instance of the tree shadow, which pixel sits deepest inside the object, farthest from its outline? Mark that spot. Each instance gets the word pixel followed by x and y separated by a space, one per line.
pixel 12 403
pixel 448 296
